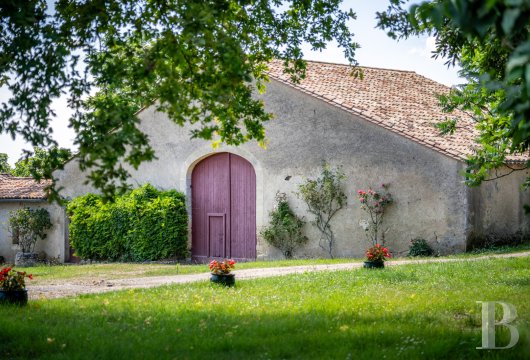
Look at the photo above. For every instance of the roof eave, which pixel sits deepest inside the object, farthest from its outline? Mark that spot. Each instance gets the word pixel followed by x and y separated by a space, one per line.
pixel 4 200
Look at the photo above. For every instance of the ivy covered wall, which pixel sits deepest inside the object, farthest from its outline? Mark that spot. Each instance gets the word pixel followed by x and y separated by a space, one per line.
pixel 144 224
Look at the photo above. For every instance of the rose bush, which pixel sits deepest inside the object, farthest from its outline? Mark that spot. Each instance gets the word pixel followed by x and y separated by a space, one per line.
pixel 375 203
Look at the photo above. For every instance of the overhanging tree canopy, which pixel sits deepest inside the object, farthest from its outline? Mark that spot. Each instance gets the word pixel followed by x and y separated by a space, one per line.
pixel 201 60
pixel 490 40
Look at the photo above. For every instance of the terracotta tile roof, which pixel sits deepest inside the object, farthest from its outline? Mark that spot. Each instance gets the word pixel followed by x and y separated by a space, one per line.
pixel 401 101
pixel 21 188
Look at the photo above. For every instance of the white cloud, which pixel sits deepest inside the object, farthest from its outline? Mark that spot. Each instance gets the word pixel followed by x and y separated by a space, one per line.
pixel 427 49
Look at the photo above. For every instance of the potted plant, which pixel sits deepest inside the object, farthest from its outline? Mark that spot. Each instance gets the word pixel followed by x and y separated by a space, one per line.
pixel 13 286
pixel 26 227
pixel 376 257
pixel 220 271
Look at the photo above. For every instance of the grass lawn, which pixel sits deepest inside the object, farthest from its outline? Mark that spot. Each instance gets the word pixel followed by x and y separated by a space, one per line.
pixel 51 274
pixel 406 312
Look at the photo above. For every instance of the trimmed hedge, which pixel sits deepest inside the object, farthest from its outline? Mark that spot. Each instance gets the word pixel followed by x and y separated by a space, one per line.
pixel 144 224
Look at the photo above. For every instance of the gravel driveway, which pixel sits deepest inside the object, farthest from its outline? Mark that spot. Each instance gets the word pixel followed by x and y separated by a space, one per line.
pixel 66 288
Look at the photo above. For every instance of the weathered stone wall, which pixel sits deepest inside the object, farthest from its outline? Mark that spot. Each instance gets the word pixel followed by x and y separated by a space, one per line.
pixel 431 200
pixel 497 205
pixel 53 245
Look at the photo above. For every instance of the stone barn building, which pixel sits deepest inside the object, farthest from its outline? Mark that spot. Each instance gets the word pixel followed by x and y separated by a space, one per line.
pixel 378 130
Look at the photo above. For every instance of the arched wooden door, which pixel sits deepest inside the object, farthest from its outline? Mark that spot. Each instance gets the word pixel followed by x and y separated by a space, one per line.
pixel 223 208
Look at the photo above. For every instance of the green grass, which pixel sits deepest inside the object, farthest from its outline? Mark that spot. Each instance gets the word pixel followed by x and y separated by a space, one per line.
pixel 47 274
pixel 406 312
pixel 81 273
pixel 500 249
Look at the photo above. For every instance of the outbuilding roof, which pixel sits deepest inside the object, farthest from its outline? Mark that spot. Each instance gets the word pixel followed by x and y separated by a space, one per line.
pixel 401 101
pixel 22 188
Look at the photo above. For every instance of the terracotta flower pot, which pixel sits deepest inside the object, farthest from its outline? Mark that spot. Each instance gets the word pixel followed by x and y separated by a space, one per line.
pixel 224 279
pixel 374 264
pixel 17 297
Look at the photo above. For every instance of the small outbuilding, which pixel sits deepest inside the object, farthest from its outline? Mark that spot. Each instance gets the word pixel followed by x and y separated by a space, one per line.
pixel 18 193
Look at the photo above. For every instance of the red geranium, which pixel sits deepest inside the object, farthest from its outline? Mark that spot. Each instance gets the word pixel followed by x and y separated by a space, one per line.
pixel 378 253
pixel 221 267
pixel 12 280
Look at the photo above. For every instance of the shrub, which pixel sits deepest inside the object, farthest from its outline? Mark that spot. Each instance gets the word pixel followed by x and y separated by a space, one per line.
pixel 420 247
pixel 324 198
pixel 27 226
pixel 285 229
pixel 144 224
pixel 375 204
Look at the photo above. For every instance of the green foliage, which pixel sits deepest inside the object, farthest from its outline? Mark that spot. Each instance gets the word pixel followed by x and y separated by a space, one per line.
pixel 27 226
pixel 12 280
pixel 490 40
pixel 66 273
pixel 201 61
pixel 324 198
pixel 36 163
pixel 285 228
pixel 375 204
pixel 4 165
pixel 144 224
pixel 420 247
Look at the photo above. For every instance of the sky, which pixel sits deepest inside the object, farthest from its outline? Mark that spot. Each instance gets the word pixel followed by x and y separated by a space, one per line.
pixel 377 50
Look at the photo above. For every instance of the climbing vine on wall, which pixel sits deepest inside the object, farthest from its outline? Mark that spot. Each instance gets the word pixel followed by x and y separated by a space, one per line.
pixel 324 198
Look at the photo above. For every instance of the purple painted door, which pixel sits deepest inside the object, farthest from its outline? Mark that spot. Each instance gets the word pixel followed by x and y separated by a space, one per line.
pixel 223 208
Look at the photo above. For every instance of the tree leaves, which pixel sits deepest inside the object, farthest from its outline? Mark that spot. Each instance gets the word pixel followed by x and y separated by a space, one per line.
pixel 36 163
pixel 200 60
pixel 489 39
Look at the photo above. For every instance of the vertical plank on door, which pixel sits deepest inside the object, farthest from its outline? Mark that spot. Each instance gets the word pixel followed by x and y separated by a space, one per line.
pixel 210 194
pixel 243 208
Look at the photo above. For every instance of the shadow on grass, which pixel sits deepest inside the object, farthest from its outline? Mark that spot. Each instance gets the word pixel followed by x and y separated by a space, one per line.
pixel 103 328
pixel 414 311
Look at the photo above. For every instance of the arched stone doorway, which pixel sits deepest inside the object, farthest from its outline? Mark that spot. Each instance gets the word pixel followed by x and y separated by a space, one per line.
pixel 223 208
